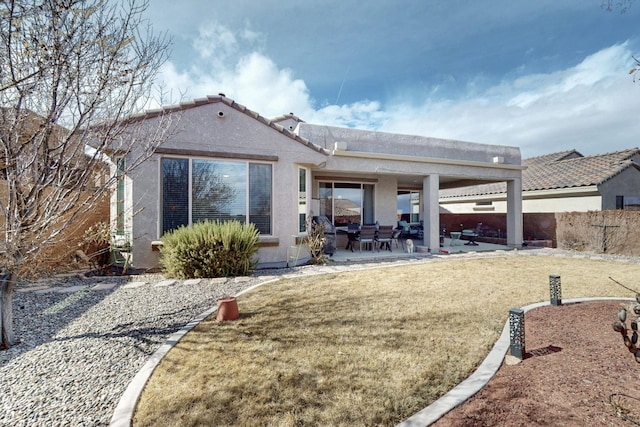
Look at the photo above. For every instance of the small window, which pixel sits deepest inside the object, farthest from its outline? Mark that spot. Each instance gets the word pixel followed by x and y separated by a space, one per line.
pixel 484 206
pixel 120 168
pixel 302 199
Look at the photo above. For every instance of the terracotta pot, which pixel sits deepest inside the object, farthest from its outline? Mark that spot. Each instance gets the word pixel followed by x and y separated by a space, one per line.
pixel 227 309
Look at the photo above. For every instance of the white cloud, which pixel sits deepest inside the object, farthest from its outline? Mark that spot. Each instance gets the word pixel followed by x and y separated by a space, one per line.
pixel 590 107
pixel 215 41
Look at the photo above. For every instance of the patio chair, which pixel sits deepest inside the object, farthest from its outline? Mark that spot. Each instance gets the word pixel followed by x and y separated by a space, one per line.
pixel 385 236
pixel 472 235
pixel 367 236
pixel 406 231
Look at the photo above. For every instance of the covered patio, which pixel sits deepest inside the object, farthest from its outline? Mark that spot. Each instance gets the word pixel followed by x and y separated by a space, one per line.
pixel 399 253
pixel 367 173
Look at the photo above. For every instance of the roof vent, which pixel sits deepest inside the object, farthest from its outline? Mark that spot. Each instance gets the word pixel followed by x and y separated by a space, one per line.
pixel 221 114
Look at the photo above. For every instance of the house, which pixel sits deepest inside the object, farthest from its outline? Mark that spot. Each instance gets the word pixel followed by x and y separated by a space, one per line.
pixel 224 161
pixel 565 181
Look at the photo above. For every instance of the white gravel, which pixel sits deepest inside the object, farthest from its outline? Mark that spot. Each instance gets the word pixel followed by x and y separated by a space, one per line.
pixel 83 340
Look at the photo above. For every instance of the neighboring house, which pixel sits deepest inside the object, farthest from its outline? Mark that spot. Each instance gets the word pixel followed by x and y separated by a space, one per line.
pixel 226 162
pixel 554 183
pixel 559 182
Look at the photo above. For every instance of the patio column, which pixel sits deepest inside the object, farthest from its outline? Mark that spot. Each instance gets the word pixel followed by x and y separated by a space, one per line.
pixel 514 212
pixel 431 211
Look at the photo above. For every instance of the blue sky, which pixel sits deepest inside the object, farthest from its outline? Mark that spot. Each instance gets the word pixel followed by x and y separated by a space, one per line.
pixel 541 75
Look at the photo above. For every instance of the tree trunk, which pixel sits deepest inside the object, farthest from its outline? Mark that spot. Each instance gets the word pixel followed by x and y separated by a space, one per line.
pixel 6 310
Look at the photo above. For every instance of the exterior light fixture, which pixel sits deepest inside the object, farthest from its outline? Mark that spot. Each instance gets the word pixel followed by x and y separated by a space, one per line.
pixel 516 332
pixel 555 290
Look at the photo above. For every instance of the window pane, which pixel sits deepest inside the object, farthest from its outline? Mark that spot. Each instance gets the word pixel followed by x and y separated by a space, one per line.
pixel 260 197
pixel 415 207
pixel 409 206
pixel 368 204
pixel 326 195
pixel 175 193
pixel 302 199
pixel 347 204
pixel 120 167
pixel 219 191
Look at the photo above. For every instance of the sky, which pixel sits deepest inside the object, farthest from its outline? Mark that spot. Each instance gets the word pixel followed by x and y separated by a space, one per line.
pixel 544 75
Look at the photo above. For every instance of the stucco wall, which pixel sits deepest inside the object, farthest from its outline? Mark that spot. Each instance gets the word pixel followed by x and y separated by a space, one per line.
pixel 216 127
pixel 411 145
pixel 625 184
pixel 582 203
pixel 540 226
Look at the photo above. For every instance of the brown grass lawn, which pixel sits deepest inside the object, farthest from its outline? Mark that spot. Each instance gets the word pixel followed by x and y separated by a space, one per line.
pixel 357 348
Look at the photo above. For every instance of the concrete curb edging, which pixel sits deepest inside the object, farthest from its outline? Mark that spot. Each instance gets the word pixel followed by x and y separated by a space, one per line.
pixel 123 414
pixel 481 375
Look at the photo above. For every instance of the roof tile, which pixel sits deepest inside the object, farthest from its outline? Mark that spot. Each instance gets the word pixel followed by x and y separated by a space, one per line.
pixel 564 169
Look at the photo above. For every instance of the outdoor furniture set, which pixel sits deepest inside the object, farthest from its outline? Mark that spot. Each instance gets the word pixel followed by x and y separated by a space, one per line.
pixel 374 237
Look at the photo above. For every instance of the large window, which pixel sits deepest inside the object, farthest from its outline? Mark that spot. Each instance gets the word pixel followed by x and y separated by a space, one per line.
pixel 195 190
pixel 408 206
pixel 345 203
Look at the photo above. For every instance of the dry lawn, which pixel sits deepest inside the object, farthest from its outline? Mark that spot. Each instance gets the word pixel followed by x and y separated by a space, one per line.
pixel 360 348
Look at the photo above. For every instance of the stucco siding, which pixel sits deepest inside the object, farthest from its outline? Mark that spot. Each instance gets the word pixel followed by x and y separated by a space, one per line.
pixel 581 203
pixel 411 145
pixel 626 184
pixel 218 128
pixel 386 200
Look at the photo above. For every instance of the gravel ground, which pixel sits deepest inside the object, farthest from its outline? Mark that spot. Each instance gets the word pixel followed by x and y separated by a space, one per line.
pixel 80 347
pixel 82 340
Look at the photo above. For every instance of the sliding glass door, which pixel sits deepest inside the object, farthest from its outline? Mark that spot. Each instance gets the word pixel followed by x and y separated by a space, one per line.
pixel 347 203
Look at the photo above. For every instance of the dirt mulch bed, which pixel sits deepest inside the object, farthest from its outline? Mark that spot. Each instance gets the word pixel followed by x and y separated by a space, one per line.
pixel 576 372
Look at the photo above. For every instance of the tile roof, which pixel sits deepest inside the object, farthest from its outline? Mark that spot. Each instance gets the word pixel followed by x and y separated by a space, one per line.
pixel 212 99
pixel 564 169
pixel 286 117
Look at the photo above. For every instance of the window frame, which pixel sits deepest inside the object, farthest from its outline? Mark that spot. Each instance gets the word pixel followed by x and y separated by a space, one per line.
pixel 414 202
pixel 304 193
pixel 120 164
pixel 189 189
pixel 367 207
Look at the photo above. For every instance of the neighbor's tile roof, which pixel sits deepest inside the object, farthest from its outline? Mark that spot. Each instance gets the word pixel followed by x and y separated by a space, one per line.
pixel 212 99
pixel 565 169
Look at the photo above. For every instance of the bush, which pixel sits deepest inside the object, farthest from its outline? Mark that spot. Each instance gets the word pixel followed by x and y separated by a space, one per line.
pixel 610 231
pixel 210 249
pixel 96 241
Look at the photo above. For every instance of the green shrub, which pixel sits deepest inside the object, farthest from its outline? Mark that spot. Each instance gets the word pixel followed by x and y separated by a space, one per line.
pixel 210 249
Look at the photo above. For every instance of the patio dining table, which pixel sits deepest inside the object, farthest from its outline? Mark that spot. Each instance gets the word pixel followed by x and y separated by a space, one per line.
pixel 352 233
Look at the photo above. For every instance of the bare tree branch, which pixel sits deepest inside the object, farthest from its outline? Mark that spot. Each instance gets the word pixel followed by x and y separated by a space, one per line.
pixel 72 74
